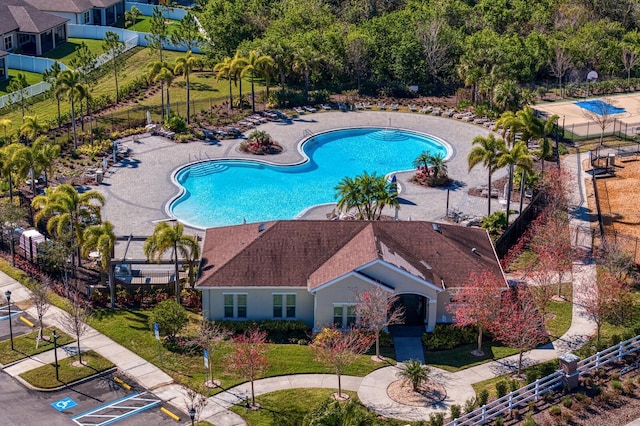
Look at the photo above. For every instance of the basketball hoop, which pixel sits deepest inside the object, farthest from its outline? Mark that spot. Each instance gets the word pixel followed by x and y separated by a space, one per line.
pixel 592 76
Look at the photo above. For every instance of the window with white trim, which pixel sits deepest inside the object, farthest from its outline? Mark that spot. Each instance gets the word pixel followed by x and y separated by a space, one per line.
pixel 8 42
pixel 284 305
pixel 344 315
pixel 86 17
pixel 235 305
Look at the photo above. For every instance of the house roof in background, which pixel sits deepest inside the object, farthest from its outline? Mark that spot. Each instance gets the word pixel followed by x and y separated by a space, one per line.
pixel 69 6
pixel 3 53
pixel 309 253
pixel 22 16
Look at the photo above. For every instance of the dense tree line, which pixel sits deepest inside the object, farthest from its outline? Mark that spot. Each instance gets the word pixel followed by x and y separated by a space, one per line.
pixel 434 43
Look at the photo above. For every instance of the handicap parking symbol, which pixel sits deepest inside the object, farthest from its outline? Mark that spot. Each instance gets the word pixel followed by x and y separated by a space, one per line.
pixel 64 404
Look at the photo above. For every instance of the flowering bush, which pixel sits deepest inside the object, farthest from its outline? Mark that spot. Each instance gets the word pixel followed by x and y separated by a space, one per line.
pixel 260 143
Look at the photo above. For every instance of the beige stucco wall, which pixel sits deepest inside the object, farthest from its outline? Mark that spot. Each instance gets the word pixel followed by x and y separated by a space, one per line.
pixel 259 302
pixel 345 290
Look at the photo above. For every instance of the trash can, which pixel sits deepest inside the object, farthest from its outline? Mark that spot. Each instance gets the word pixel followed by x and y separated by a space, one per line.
pixel 99 176
pixel 612 159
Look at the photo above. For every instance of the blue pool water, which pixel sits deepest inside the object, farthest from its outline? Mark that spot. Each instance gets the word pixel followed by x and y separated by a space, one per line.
pixel 227 192
pixel 599 107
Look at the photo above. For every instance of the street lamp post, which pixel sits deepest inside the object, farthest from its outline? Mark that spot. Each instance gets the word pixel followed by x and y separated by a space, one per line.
pixel 55 351
pixel 192 415
pixel 8 296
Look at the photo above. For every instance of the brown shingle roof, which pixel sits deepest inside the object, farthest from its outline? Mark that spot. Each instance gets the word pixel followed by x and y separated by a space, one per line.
pixel 20 15
pixel 70 6
pixel 308 253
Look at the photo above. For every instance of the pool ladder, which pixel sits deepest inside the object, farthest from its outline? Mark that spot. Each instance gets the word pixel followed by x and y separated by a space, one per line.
pixel 307 133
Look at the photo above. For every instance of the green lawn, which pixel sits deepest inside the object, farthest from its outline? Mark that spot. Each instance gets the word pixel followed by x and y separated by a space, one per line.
pixel 143 25
pixel 67 52
pixel 45 377
pixel 130 329
pixel 289 407
pixel 558 320
pixel 460 358
pixel 32 78
pixel 25 345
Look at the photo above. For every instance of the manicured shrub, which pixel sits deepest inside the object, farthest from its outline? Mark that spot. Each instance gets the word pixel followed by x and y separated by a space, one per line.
pixel 469 405
pixel 175 123
pixel 483 397
pixel 170 316
pixel 456 411
pixel 567 401
pixel 531 376
pixel 501 388
pixel 278 331
pixel 555 410
pixel 447 336
pixel 436 419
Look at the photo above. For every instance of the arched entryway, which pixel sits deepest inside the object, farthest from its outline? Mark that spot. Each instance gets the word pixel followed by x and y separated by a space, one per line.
pixel 415 309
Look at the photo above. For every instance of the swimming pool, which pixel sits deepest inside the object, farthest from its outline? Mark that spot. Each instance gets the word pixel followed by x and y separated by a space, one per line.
pixel 599 107
pixel 228 192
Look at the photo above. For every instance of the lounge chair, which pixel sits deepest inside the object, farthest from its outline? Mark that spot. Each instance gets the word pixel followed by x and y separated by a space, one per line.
pixel 342 107
pixel 382 106
pixel 325 107
pixel 299 110
pixel 426 109
pixel 395 107
pixel 437 111
pixel 367 105
pixel 359 105
pixel 310 108
pixel 412 108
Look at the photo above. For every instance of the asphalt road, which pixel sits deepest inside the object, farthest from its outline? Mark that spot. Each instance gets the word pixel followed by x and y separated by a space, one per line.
pixel 22 406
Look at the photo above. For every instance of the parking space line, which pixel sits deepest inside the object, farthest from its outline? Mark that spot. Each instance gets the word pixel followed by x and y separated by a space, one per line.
pixel 100 413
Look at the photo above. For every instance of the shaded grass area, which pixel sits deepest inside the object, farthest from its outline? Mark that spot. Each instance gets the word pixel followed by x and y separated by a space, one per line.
pixel 130 329
pixel 461 357
pixel 32 78
pixel 558 320
pixel 25 345
pixel 289 408
pixel 67 52
pixel 537 371
pixel 143 25
pixel 45 377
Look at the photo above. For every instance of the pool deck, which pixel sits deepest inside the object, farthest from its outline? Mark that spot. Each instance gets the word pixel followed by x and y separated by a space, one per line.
pixel 138 188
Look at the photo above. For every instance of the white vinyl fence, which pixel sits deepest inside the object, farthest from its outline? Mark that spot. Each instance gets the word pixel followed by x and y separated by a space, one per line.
pixel 535 390
pixel 31 64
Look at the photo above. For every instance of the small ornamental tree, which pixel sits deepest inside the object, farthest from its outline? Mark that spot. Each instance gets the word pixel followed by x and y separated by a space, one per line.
pixel 248 357
pixel 338 350
pixel 478 304
pixel 544 278
pixel 376 309
pixel 520 325
pixel 40 297
pixel 551 241
pixel 75 320
pixel 600 299
pixel 170 316
pixel 210 337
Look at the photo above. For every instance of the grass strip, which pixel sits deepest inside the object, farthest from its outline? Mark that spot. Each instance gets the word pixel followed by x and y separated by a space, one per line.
pixel 45 377
pixel 289 408
pixel 25 345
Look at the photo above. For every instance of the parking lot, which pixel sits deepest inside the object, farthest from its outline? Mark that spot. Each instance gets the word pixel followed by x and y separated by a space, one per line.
pixel 100 401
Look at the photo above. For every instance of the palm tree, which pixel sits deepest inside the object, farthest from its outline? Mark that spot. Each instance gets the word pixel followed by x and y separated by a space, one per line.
pixel 237 65
pixel 68 83
pixel 532 126
pixel 101 238
pixel 185 65
pixel 486 151
pixel 516 156
pixel 8 164
pixel 50 75
pixel 47 153
pixel 166 237
pixel 225 69
pixel 368 194
pixel 68 211
pixel 415 372
pixel 31 127
pixel 281 54
pixel 255 64
pixel 506 95
pixel 27 162
pixel 5 123
pixel 305 59
pixel 159 71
